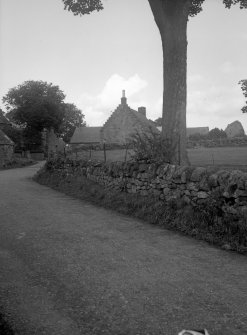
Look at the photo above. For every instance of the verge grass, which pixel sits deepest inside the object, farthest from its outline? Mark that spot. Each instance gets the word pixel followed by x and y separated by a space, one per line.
pixel 17 162
pixel 202 224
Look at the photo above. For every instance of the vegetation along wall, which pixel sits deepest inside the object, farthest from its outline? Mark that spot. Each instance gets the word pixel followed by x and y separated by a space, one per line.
pixel 225 191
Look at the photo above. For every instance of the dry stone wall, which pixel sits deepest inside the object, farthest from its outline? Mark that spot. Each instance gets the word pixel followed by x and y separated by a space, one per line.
pixel 195 186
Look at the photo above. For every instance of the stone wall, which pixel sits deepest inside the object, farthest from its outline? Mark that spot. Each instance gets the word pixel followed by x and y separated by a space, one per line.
pixel 226 191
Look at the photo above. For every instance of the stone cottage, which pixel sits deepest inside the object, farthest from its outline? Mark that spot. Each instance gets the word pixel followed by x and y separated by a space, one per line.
pixel 123 123
pixel 6 148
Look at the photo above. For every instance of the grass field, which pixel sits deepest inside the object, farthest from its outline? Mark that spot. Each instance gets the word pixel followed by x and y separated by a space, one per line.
pixel 225 157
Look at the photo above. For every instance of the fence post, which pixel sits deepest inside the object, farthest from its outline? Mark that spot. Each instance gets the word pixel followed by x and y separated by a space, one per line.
pixel 126 151
pixel 104 151
pixel 179 150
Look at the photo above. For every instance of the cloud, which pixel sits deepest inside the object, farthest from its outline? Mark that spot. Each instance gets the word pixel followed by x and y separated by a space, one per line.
pixel 99 107
pixel 214 107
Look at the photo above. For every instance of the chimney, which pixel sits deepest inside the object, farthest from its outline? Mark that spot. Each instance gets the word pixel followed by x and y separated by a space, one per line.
pixel 123 99
pixel 142 110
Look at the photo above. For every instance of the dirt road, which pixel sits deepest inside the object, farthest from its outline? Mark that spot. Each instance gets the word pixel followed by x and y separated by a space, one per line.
pixel 68 268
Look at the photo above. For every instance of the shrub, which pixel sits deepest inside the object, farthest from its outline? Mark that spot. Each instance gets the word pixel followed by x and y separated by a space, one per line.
pixel 151 146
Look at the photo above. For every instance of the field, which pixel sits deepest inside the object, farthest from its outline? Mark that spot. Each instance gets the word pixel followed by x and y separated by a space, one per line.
pixel 225 157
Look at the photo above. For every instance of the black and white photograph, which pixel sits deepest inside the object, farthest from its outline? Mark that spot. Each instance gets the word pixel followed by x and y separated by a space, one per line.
pixel 123 167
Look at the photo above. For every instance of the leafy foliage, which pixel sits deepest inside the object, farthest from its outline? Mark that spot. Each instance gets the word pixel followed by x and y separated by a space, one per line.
pixel 196 7
pixel 35 104
pixel 72 118
pixel 229 3
pixel 81 7
pixel 158 122
pixel 152 147
pixel 243 84
pixel 216 133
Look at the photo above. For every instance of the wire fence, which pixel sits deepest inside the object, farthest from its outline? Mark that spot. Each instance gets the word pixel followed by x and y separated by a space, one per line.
pixel 234 157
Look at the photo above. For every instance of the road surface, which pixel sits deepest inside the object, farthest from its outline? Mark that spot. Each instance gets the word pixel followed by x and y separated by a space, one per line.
pixel 68 267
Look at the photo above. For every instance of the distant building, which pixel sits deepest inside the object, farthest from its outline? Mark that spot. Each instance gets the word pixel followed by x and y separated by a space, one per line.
pixel 86 136
pixel 194 130
pixel 235 129
pixel 197 130
pixel 123 123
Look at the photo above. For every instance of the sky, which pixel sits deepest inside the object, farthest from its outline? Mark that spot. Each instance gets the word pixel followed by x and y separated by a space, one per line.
pixel 94 57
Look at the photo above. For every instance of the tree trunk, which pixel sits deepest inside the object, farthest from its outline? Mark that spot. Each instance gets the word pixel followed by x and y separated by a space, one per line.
pixel 171 17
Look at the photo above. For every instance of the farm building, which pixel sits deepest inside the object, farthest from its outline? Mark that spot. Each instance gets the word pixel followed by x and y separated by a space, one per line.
pixel 6 148
pixel 118 129
pixel 197 130
pixel 125 122
pixel 194 130
pixel 86 136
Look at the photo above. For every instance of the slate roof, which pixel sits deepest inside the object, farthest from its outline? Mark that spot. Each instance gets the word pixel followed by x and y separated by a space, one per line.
pixel 144 121
pixel 4 139
pixel 86 135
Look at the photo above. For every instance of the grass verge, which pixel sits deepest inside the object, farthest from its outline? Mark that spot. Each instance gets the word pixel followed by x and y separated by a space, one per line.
pixel 202 224
pixel 17 163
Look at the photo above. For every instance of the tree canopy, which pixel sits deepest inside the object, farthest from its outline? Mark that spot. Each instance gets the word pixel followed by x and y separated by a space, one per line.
pixel 171 17
pixel 82 7
pixel 35 104
pixel 73 118
pixel 243 84
pixel 216 133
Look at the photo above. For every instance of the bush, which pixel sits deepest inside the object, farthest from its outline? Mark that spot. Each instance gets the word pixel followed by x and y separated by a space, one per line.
pixel 152 147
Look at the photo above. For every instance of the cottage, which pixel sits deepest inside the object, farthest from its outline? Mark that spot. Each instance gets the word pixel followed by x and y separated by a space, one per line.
pixel 6 148
pixel 123 123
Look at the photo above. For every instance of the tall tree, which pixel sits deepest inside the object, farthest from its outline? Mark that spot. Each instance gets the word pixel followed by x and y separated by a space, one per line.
pixel 73 118
pixel 243 84
pixel 35 104
pixel 171 17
